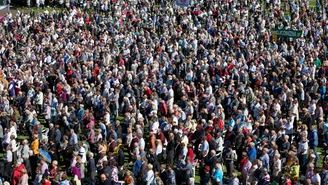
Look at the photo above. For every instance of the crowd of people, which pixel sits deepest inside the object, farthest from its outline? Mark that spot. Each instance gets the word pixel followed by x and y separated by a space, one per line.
pixel 148 92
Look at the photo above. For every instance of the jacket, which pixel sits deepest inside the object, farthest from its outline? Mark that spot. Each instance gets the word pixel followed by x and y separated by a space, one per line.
pixel 92 166
pixel 35 147
pixel 313 138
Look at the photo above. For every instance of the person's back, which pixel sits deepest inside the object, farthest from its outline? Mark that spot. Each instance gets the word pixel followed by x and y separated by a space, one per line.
pixel 91 165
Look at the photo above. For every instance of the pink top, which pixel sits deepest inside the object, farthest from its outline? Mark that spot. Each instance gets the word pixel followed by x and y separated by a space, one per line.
pixel 23 180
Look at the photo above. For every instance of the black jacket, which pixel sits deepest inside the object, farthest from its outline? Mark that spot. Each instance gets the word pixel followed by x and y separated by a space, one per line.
pixel 52 134
pixel 205 178
pixel 91 165
pixel 120 158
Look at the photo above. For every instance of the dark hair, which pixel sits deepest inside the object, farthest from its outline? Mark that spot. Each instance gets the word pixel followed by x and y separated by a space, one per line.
pixel 64 176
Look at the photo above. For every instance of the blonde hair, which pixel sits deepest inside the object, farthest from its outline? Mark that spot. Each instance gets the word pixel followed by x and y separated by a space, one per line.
pixel 75 153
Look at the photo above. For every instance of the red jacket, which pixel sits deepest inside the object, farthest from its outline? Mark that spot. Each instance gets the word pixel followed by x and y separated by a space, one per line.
pixel 147 91
pixel 163 108
pixel 96 71
pixel 17 174
pixel 191 154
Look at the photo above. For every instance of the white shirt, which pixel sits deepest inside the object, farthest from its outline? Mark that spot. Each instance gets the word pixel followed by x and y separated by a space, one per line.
pixel 185 140
pixel 154 127
pixel 13 131
pixel 149 177
pixel 159 149
pixel 107 119
pixel 316 179
pixel 13 145
pixel 303 145
pixel 141 143
pixel 312 108
pixel 82 153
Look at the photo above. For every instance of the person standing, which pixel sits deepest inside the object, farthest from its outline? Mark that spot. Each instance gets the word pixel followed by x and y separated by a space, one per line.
pixel 302 152
pixel 205 179
pixel 23 180
pixel 170 176
pixel 229 160
pixel 313 141
pixel 276 169
pixel 8 161
pixel 170 148
pixel 217 175
pixel 265 158
pixel 73 139
pixel 38 100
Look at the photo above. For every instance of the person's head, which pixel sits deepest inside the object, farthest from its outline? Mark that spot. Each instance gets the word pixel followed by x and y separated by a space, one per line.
pixel 191 180
pixel 38 169
pixel 163 167
pixel 170 168
pixel 304 139
pixel 265 171
pixel 150 167
pixel 54 163
pixel 90 155
pixel 42 161
pixel 217 166
pixel 24 142
pixel 187 159
pixel 103 177
pixel 75 153
pixel 287 176
pixel 213 153
pixel 286 137
pixel 139 135
pixel 265 150
pixel 71 131
pixel 234 174
pixel 311 167
pixel 251 145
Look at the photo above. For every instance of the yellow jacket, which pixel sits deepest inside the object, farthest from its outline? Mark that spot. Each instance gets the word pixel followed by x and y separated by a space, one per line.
pixel 295 171
pixel 35 146
pixel 116 149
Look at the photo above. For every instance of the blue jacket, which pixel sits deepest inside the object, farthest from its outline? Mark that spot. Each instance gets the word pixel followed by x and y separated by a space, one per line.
pixel 313 138
pixel 218 174
pixel 252 154
pixel 265 161
pixel 136 167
